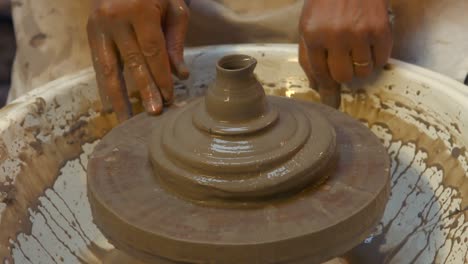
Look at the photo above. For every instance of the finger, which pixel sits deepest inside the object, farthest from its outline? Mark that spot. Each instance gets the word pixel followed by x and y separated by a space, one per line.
pixel 176 31
pixel 305 64
pixel 382 46
pixel 153 48
pixel 136 65
pixel 108 75
pixel 362 59
pixel 318 64
pixel 329 90
pixel 331 94
pixel 93 41
pixel 340 65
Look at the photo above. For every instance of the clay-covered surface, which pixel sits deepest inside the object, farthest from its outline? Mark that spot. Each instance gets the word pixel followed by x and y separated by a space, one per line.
pixel 46 138
pixel 133 206
pixel 288 154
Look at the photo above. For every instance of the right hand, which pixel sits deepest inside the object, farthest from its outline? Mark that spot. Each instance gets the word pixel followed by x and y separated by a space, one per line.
pixel 343 39
pixel 147 38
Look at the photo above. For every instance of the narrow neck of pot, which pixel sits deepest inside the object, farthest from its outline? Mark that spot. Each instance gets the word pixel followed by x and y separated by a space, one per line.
pixel 236 67
pixel 236 96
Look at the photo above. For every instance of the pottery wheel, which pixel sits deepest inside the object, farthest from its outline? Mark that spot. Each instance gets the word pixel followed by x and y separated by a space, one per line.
pixel 280 181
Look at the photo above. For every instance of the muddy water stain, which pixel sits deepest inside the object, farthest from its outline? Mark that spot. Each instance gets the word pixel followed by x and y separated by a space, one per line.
pixel 311 96
pixel 41 173
pixel 387 243
pixel 437 157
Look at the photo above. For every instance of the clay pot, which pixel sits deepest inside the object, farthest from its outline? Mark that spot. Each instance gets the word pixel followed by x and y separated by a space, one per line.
pixel 218 161
pixel 238 145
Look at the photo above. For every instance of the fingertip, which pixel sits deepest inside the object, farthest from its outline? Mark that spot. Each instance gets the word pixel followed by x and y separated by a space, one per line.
pixel 153 108
pixel 183 71
pixel 313 84
pixel 167 94
pixel 123 116
pixel 331 95
pixel 332 100
pixel 169 102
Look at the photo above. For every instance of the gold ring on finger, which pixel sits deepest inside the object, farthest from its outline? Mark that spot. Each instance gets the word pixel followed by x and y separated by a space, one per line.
pixel 361 64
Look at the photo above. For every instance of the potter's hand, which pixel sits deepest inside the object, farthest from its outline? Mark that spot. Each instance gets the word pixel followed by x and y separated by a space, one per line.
pixel 147 38
pixel 341 39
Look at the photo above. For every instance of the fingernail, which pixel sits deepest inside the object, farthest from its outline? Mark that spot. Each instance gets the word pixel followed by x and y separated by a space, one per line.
pixel 183 71
pixel 153 107
pixel 168 95
pixel 169 102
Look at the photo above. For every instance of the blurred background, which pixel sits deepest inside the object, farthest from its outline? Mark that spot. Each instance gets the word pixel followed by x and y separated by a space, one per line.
pixel 7 49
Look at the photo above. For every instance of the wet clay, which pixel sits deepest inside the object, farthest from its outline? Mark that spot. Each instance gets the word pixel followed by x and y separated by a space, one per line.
pixel 425 220
pixel 235 145
pixel 406 142
pixel 190 187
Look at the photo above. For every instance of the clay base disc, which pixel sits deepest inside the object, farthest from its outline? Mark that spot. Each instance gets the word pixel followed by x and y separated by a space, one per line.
pixel 143 219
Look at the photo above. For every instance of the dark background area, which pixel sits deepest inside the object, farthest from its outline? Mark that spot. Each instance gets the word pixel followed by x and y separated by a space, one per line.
pixel 7 49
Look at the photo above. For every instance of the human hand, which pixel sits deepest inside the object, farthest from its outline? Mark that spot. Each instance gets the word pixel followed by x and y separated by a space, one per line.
pixel 147 38
pixel 342 39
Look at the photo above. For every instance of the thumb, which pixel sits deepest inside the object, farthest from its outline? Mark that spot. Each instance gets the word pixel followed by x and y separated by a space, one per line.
pixel 176 30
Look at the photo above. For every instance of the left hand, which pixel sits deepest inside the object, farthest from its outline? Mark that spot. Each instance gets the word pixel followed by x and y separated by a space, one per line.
pixel 147 38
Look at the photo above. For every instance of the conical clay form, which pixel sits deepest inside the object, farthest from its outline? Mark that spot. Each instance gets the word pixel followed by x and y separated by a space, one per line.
pixel 237 145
